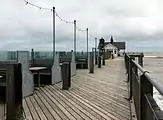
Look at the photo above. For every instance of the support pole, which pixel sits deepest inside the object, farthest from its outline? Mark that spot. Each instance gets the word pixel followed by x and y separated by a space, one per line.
pixel 75 39
pixel 95 51
pixel 53 33
pixel 87 42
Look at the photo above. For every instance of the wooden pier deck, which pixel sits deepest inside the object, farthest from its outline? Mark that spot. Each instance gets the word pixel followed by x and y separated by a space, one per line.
pixel 98 96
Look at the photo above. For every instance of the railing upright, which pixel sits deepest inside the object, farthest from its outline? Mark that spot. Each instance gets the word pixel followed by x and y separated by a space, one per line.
pixel 140 59
pixel 145 88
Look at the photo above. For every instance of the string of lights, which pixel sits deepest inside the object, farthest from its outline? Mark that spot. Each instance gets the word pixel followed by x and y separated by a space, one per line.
pixel 36 6
pixel 81 30
pixel 61 19
pixel 43 8
pixel 56 13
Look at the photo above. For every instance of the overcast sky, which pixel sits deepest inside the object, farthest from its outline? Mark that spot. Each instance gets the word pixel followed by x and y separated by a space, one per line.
pixel 137 22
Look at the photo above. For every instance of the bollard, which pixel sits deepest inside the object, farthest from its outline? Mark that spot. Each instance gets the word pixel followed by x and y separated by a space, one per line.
pixel 103 61
pixel 66 77
pixel 99 62
pixel 69 75
pixel 91 65
pixel 95 60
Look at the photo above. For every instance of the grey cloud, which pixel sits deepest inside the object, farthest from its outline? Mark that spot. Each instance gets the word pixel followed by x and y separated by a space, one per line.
pixel 25 27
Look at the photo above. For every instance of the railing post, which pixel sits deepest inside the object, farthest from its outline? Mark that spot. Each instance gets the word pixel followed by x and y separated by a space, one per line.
pixel 99 62
pixel 126 61
pixel 145 87
pixel 140 59
pixel 91 65
pixel 130 74
pixel 127 65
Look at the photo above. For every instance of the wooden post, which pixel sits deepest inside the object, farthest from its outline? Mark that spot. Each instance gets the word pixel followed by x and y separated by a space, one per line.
pixel 66 80
pixel 130 73
pixel 103 60
pixel 140 59
pixel 145 87
pixel 14 91
pixel 69 75
pixel 91 63
pixel 99 62
pixel 103 57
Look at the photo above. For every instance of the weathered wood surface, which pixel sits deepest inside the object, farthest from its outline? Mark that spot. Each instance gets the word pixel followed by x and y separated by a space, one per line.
pixel 2 111
pixel 98 96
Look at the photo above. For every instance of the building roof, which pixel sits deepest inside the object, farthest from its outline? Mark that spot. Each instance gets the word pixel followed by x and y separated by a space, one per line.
pixel 110 46
pixel 119 45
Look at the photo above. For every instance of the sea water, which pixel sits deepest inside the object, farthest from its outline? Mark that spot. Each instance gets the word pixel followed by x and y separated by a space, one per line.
pixel 153 62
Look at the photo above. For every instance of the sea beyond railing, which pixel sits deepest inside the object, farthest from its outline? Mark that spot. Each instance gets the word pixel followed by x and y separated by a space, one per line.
pixel 12 55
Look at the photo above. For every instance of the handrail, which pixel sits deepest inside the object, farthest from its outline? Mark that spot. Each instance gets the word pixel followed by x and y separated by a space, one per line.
pixel 141 89
pixel 138 66
pixel 155 83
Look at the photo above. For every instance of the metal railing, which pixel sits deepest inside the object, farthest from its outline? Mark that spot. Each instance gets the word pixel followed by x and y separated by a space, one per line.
pixel 141 89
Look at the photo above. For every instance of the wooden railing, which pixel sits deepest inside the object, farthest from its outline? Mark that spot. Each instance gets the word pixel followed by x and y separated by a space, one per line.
pixel 141 89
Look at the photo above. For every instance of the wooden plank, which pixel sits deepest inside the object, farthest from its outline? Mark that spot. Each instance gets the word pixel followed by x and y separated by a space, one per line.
pixel 50 108
pixel 110 99
pixel 32 110
pixel 56 109
pixel 83 113
pixel 86 110
pixel 108 93
pixel 37 108
pixel 109 107
pixel 59 105
pixel 95 108
pixel 68 108
pixel 43 107
pixel 26 111
pixel 95 113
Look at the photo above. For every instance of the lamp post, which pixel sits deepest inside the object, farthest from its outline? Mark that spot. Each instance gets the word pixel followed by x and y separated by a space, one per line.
pixel 53 33
pixel 75 38
pixel 96 51
pixel 87 41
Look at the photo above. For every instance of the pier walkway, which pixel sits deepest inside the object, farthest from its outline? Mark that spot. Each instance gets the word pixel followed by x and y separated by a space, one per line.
pixel 98 96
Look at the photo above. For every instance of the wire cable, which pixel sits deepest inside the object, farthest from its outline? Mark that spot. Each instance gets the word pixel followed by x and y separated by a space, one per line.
pixel 43 8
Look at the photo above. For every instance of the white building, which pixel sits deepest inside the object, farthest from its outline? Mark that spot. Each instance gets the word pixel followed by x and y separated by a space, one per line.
pixel 111 49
